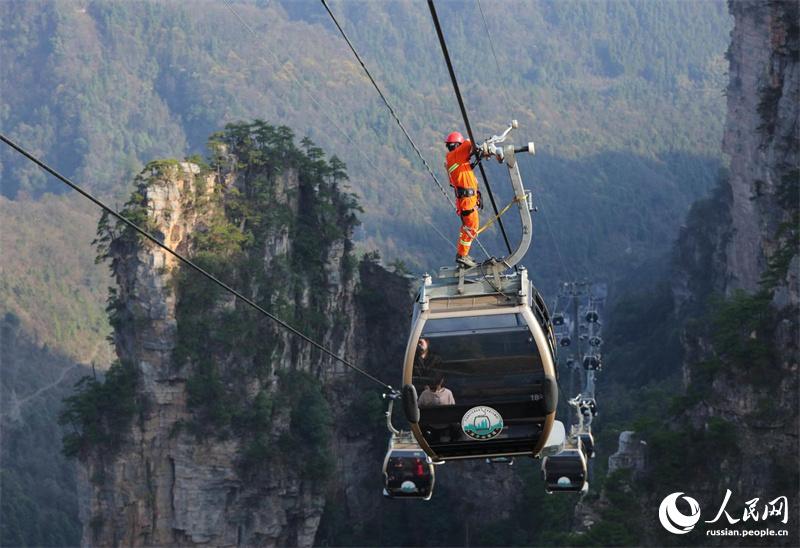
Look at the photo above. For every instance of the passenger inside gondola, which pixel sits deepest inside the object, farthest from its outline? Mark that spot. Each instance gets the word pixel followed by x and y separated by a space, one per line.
pixel 436 395
pixel 425 362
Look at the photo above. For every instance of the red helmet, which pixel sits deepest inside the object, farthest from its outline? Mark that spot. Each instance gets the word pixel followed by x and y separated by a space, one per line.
pixel 454 137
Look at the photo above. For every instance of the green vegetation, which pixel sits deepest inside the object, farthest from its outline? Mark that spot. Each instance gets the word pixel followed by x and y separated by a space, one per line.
pixel 631 104
pixel 223 346
pixel 39 502
pixel 308 438
pixel 238 223
pixel 606 75
pixel 98 416
pixel 49 279
pixel 787 233
pixel 743 329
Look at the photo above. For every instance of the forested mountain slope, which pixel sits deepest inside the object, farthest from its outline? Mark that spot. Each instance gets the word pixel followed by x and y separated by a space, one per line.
pixel 101 86
pixel 39 503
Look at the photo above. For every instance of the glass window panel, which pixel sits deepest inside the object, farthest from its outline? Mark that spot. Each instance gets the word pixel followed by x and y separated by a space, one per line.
pixel 473 323
pixel 479 364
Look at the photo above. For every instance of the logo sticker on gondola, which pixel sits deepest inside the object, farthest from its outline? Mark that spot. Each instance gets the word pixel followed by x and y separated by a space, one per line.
pixel 482 423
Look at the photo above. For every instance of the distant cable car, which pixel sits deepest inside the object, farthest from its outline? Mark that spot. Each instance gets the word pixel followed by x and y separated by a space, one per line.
pixel 595 341
pixel 565 472
pixel 558 319
pixel 407 471
pixel 592 363
pixel 591 316
pixel 588 407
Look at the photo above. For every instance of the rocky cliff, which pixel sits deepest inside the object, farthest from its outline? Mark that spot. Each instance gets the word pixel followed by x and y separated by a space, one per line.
pixel 735 298
pixel 761 137
pixel 736 278
pixel 740 255
pixel 211 380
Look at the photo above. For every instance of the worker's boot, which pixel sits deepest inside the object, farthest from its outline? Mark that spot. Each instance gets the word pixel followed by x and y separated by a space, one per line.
pixel 465 261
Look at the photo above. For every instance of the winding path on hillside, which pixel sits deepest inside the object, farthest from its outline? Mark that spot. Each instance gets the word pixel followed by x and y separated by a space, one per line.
pixel 14 413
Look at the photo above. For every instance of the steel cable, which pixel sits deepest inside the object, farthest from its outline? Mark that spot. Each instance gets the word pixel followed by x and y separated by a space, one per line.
pixel 464 115
pixel 324 111
pixel 188 262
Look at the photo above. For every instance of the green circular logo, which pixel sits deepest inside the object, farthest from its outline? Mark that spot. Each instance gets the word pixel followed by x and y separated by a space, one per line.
pixel 482 423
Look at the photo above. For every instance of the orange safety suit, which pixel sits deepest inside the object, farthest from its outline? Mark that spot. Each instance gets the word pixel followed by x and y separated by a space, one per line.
pixel 463 180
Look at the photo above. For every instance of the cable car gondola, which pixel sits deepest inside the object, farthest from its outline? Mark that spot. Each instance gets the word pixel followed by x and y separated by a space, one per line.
pixel 565 472
pixel 492 348
pixel 407 471
pixel 479 379
pixel 587 407
pixel 592 362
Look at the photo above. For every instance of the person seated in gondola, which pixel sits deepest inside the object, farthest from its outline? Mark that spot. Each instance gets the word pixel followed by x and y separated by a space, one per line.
pixel 436 395
pixel 425 362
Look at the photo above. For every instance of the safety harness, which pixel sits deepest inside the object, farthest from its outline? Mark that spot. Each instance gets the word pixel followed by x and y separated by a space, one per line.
pixel 469 192
pixel 500 214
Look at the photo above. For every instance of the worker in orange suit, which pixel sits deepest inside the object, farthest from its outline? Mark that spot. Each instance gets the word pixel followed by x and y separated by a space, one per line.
pixel 463 181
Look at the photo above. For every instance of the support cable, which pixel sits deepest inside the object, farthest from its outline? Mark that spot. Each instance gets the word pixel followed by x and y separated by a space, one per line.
pixel 453 79
pixel 188 262
pixel 324 111
pixel 494 54
pixel 386 102
pixel 394 115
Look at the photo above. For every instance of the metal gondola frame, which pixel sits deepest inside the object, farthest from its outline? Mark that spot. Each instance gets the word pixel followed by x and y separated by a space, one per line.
pixel 515 285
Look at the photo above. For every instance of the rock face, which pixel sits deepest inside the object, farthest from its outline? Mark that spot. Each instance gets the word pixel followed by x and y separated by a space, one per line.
pixel 735 291
pixel 243 434
pixel 762 138
pixel 745 238
pixel 630 460
pixel 630 454
pixel 761 133
pixel 167 486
